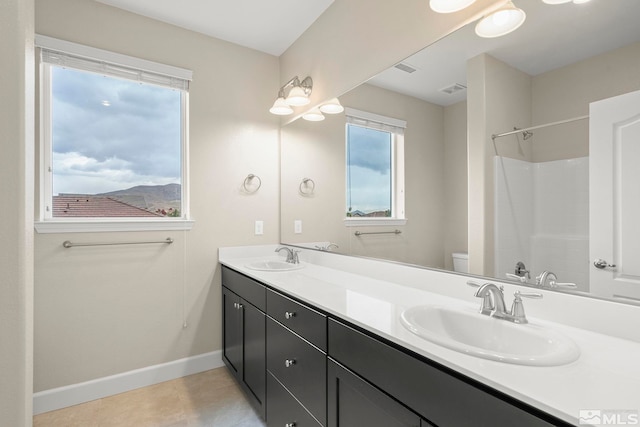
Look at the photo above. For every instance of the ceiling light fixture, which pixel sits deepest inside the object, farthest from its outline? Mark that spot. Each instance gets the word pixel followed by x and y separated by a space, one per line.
pixel 449 6
pixel 332 106
pixel 313 115
pixel 297 94
pixel 503 21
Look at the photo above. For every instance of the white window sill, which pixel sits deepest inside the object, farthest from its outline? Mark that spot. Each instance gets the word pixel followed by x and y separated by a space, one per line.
pixel 110 225
pixel 367 222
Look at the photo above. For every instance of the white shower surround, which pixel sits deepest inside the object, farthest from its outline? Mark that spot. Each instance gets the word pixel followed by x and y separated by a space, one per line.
pixel 542 218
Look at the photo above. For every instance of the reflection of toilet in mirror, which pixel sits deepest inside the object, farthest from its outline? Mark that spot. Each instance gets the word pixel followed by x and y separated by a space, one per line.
pixel 460 262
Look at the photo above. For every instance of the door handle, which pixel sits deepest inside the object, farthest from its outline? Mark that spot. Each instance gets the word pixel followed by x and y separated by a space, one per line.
pixel 600 263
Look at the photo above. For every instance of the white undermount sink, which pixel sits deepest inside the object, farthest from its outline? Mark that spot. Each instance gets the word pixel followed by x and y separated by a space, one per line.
pixel 489 338
pixel 273 265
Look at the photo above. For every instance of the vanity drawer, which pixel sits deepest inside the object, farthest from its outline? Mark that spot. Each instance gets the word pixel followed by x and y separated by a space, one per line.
pixel 299 366
pixel 433 392
pixel 252 291
pixel 301 319
pixel 283 409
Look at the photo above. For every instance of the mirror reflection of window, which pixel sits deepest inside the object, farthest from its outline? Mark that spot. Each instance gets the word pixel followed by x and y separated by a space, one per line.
pixel 369 184
pixel 374 166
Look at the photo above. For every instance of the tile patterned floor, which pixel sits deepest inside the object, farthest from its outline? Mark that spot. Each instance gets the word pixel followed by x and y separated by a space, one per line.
pixel 208 399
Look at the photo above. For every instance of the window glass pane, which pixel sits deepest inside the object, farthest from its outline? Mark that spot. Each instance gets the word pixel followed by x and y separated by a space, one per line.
pixel 116 147
pixel 368 172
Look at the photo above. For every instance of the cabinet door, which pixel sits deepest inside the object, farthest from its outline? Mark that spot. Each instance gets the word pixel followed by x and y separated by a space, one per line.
pixel 354 402
pixel 232 332
pixel 254 352
pixel 283 410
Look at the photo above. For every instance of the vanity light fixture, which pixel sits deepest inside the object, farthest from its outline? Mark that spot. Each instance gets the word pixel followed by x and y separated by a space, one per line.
pixel 297 94
pixel 332 106
pixel 449 6
pixel 313 115
pixel 503 21
pixel 280 107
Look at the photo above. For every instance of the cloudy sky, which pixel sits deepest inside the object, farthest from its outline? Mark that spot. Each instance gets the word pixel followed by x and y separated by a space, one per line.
pixel 369 169
pixel 111 134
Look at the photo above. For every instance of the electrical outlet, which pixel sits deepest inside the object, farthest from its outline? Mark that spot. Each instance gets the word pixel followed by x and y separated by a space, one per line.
pixel 259 228
pixel 297 226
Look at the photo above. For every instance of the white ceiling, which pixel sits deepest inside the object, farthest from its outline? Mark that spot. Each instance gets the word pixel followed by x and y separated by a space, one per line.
pixel 270 26
pixel 552 36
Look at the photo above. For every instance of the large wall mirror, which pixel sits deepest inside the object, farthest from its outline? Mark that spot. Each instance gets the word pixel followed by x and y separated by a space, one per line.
pixel 520 206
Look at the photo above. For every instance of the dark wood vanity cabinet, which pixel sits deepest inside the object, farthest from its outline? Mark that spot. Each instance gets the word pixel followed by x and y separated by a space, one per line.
pixel 244 334
pixel 355 402
pixel 296 363
pixel 303 368
pixel 439 395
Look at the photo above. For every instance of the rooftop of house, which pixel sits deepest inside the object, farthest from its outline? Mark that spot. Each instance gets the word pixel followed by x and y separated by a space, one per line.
pixel 83 205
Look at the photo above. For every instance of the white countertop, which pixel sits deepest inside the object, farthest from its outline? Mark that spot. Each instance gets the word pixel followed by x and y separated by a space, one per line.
pixel 606 376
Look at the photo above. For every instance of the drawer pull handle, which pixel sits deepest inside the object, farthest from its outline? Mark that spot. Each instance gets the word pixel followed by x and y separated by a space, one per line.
pixel 289 363
pixel 290 425
pixel 237 306
pixel 289 314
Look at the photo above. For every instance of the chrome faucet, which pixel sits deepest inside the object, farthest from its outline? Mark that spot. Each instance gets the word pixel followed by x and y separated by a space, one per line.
pixel 521 270
pixel 550 280
pixel 493 302
pixel 292 255
pixel 328 247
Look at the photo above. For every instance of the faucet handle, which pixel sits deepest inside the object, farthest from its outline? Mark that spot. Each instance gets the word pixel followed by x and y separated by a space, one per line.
pixel 517 308
pixel 520 279
pixel 534 295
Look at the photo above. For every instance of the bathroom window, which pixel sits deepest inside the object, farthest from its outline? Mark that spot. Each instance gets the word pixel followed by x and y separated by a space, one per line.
pixel 374 169
pixel 114 140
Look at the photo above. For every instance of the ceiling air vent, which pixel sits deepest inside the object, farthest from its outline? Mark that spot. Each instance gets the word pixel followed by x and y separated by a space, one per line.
pixel 406 68
pixel 450 90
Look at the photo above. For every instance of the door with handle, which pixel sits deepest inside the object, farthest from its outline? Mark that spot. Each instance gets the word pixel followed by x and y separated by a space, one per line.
pixel 614 196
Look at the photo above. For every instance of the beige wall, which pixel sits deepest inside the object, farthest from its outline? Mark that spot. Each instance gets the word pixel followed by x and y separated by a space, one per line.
pixel 16 226
pixel 356 39
pixel 499 98
pixel 455 181
pixel 566 92
pixel 317 151
pixel 101 311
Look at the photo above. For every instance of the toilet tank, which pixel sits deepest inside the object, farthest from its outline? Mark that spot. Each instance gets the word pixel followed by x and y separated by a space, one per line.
pixel 460 262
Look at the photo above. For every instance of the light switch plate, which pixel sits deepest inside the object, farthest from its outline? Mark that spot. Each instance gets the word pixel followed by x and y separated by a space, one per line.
pixel 297 226
pixel 259 228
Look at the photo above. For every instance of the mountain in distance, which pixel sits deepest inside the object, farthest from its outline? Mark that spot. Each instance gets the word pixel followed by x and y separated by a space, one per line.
pixel 149 197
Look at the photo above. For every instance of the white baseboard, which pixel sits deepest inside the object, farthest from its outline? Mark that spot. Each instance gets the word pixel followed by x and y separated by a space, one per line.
pixel 74 394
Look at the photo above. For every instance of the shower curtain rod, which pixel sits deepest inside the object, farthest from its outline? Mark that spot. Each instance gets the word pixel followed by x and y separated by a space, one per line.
pixel 575 119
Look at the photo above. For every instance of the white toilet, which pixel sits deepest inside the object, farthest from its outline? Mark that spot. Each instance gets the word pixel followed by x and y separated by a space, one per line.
pixel 460 262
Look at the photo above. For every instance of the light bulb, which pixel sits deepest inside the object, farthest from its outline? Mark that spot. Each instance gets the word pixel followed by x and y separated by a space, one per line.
pixel 281 108
pixel 297 97
pixel 332 106
pixel 501 22
pixel 448 6
pixel 314 115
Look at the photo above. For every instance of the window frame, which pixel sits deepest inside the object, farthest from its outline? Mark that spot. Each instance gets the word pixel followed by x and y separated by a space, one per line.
pixel 396 128
pixel 46 223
